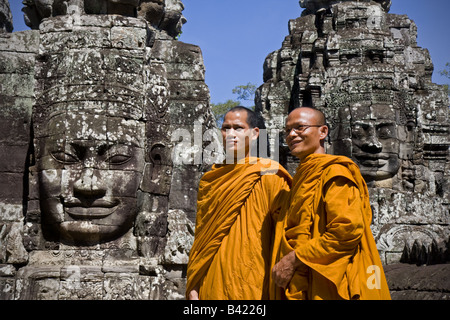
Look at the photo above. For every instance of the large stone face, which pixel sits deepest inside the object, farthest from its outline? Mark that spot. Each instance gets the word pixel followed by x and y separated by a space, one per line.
pixel 314 6
pixel 164 15
pixel 92 203
pixel 362 67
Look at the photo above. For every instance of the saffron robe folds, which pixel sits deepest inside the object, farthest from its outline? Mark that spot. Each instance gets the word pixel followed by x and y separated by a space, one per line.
pixel 231 254
pixel 328 226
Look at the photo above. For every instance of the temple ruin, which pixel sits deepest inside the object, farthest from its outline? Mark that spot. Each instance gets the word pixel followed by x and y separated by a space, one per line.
pixel 98 183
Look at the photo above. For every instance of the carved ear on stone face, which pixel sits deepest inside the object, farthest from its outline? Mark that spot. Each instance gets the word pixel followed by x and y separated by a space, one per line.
pixel 158 173
pixel 160 155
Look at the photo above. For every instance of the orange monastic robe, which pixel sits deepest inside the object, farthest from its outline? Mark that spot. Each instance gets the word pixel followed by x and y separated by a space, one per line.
pixel 231 254
pixel 328 226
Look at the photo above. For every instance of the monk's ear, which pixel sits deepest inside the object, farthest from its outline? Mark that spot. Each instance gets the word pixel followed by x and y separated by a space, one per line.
pixel 323 132
pixel 255 133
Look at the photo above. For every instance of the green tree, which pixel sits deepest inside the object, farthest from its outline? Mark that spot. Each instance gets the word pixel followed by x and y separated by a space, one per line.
pixel 219 110
pixel 446 73
pixel 244 92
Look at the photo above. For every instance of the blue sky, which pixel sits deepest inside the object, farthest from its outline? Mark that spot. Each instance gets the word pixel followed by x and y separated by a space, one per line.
pixel 235 36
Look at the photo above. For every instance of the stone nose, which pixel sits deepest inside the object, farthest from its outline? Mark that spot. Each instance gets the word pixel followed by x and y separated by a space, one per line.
pixel 89 184
pixel 372 145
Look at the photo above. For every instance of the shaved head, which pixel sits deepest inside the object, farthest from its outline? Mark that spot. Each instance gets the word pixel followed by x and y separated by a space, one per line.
pixel 306 131
pixel 318 115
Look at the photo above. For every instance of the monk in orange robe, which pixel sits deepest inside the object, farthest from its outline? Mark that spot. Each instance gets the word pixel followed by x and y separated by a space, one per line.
pixel 324 248
pixel 230 258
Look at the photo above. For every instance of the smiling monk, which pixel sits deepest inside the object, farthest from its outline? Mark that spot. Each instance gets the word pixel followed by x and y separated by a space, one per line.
pixel 238 200
pixel 324 248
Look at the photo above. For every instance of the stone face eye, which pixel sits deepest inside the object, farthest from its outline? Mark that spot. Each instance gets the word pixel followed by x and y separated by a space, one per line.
pixel 359 131
pixel 65 157
pixel 386 131
pixel 118 159
pixel 118 154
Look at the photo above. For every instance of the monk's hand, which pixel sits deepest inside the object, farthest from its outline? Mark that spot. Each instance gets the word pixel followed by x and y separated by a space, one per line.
pixel 193 295
pixel 283 271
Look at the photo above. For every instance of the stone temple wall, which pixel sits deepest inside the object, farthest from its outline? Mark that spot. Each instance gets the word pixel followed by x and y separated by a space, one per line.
pixel 92 203
pixel 363 68
pixel 105 131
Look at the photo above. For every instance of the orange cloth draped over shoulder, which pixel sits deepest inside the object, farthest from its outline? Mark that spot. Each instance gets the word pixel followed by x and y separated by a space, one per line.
pixel 328 226
pixel 231 254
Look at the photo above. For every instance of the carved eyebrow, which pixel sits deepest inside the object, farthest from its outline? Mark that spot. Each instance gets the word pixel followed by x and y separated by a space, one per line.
pixel 386 124
pixel 362 124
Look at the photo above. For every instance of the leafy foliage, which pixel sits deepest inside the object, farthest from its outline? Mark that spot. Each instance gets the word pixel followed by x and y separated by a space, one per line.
pixel 446 73
pixel 244 92
pixel 220 109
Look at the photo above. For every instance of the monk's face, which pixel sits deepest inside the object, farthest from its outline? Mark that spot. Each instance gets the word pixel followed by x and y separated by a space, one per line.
pixel 305 132
pixel 237 135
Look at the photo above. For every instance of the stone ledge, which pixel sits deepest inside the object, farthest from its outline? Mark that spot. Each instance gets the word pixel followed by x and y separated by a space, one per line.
pixel 411 282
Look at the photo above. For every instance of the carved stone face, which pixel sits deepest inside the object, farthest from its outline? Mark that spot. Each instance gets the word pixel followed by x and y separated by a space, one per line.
pixel 314 5
pixel 375 145
pixel 90 168
pixel 163 14
pixel 175 9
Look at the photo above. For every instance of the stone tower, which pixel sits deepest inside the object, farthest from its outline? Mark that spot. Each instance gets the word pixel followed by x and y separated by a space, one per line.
pixel 94 203
pixel 363 68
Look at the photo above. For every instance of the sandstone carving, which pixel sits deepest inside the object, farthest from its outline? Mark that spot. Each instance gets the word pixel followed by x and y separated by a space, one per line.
pixel 314 6
pixel 164 15
pixel 92 206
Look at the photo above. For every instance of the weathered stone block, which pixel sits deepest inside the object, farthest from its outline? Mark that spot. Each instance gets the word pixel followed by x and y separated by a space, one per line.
pixel 13 158
pixel 11 186
pixel 7 288
pixel 128 38
pixel 151 224
pixel 180 238
pixel 177 52
pixel 188 113
pixel 22 42
pixel 157 179
pixel 418 283
pixel 185 71
pixel 188 90
pixel 120 286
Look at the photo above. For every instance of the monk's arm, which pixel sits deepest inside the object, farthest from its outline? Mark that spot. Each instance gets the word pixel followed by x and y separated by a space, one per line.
pixel 277 190
pixel 344 224
pixel 344 228
pixel 284 270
